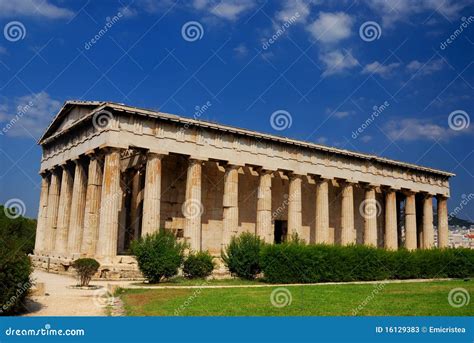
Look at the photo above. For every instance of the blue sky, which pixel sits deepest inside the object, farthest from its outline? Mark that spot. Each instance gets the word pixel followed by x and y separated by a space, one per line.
pixel 326 65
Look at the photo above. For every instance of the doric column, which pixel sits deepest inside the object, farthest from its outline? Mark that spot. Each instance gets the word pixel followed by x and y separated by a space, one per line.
pixel 230 204
pixel 42 214
pixel 443 229
pixel 76 222
pixel 264 207
pixel 410 222
pixel 391 236
pixel 137 198
pixel 294 206
pixel 347 214
pixel 110 205
pixel 193 207
pixel 92 208
pixel 428 234
pixel 64 211
pixel 370 212
pixel 52 214
pixel 152 194
pixel 322 211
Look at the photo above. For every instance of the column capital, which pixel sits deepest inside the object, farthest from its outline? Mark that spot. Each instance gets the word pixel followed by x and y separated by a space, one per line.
pixel 408 192
pixel 368 186
pixel 294 176
pixel 441 197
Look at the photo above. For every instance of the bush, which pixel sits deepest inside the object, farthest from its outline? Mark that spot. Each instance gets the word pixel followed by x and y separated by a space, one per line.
pixel 85 268
pixel 294 262
pixel 242 256
pixel 158 255
pixel 15 269
pixel 199 265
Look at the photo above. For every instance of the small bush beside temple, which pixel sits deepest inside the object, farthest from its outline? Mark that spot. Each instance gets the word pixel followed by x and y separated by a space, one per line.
pixel 242 256
pixel 198 265
pixel 85 268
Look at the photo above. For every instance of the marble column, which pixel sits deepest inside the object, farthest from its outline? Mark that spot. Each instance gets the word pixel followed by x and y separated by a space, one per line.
pixel 410 222
pixel 230 204
pixel 294 206
pixel 52 214
pixel 391 235
pixel 110 204
pixel 42 214
pixel 443 229
pixel 76 221
pixel 264 207
pixel 370 213
pixel 347 214
pixel 428 234
pixel 92 207
pixel 193 207
pixel 135 204
pixel 322 211
pixel 152 195
pixel 64 211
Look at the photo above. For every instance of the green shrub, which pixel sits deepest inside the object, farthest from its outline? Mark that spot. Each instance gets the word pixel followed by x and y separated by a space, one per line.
pixel 242 256
pixel 294 262
pixel 158 255
pixel 198 265
pixel 85 268
pixel 15 282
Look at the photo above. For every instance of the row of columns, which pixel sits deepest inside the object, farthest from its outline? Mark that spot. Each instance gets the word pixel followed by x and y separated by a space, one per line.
pixel 79 211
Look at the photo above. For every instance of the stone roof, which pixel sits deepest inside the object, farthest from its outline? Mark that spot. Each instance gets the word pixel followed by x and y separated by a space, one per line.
pixel 98 106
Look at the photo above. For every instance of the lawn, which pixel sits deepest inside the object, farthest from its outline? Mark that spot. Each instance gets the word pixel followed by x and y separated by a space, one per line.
pixel 403 299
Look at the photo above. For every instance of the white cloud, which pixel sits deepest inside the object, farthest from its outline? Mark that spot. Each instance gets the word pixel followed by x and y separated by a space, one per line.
pixel 336 62
pixel 394 11
pixel 322 140
pixel 28 115
pixel 339 114
pixel 331 27
pixel 380 69
pixel 366 138
pixel 290 8
pixel 32 8
pixel 412 129
pixel 241 50
pixel 425 68
pixel 225 9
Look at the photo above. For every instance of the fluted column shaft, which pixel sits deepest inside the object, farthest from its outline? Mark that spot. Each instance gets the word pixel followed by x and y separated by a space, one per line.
pixel 322 211
pixel 42 214
pixel 347 215
pixel 410 222
pixel 428 232
pixel 64 211
pixel 137 197
pixel 111 200
pixel 294 206
pixel 193 207
pixel 370 212
pixel 53 205
pixel 391 236
pixel 264 207
pixel 152 195
pixel 230 204
pixel 76 221
pixel 443 229
pixel 92 207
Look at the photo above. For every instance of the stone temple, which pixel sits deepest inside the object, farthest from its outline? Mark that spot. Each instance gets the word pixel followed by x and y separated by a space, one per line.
pixel 112 173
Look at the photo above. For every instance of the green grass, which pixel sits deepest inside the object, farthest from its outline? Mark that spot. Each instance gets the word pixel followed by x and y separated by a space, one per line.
pixel 405 299
pixel 181 281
